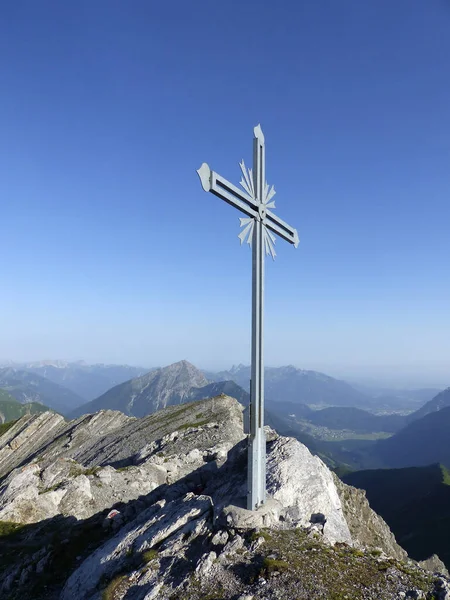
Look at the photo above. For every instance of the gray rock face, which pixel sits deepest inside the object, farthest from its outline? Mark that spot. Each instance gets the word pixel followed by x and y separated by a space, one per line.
pixel 66 474
pixel 48 436
pixel 159 523
pixel 435 565
pixel 151 392
pixel 178 481
pixel 305 488
pixel 26 437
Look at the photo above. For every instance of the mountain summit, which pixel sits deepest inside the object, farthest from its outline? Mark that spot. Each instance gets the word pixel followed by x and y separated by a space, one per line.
pixel 153 391
pixel 120 508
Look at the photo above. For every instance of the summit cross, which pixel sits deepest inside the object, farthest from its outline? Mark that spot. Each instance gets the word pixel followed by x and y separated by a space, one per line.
pixel 258 227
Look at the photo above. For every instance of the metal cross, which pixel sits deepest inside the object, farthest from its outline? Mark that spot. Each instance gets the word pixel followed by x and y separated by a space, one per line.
pixel 254 200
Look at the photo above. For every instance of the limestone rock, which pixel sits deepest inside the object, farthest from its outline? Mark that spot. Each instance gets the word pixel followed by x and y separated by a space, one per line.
pixel 305 488
pixel 154 525
pixel 435 565
pixel 176 481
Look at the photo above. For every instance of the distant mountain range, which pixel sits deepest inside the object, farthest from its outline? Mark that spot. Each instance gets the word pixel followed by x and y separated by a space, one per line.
pixel 28 387
pixel 86 381
pixel 182 381
pixel 290 394
pixel 298 386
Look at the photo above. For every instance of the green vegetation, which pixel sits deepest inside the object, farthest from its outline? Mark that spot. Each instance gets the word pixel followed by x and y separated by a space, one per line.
pixel 272 565
pixel 11 409
pixel 8 527
pixel 304 567
pixel 5 426
pixel 149 555
pixel 196 424
pixel 52 488
pixel 445 475
pixel 113 586
pixel 76 470
pixel 264 533
pixel 91 471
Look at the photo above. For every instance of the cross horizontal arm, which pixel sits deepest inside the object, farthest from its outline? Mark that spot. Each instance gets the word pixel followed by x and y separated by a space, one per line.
pixel 220 187
pixel 278 226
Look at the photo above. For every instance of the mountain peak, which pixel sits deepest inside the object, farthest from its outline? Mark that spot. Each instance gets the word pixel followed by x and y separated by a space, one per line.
pixel 174 384
pixel 182 364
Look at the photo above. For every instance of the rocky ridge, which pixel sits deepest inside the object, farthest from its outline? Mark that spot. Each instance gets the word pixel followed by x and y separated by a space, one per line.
pixel 109 507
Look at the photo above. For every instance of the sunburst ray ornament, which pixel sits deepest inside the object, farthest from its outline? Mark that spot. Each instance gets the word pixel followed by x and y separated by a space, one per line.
pixel 246 234
pixel 257 229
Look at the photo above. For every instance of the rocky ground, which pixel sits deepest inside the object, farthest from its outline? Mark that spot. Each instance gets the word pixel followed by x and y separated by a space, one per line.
pixel 109 507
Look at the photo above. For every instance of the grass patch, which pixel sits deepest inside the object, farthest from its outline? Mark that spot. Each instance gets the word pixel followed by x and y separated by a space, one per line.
pixel 75 470
pixel 264 533
pixel 356 552
pixel 270 565
pixel 149 555
pixel 8 527
pixel 196 424
pixel 113 586
pixel 445 475
pixel 5 426
pixel 91 471
pixel 51 488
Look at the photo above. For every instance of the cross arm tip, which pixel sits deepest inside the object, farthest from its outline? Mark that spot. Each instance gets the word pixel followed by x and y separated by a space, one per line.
pixel 205 176
pixel 296 239
pixel 259 133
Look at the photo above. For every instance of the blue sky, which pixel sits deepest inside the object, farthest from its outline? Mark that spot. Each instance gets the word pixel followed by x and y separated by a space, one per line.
pixel 111 250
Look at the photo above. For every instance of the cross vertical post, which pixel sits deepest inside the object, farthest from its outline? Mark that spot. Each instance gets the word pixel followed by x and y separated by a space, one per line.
pixel 256 488
pixel 259 225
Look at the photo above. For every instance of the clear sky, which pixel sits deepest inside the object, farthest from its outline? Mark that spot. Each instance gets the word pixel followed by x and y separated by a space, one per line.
pixel 112 252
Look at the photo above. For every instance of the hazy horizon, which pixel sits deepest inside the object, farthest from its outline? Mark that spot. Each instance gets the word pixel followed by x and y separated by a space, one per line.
pixel 374 376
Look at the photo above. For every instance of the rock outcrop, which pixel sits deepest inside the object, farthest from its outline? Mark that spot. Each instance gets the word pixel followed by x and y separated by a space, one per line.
pixel 114 507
